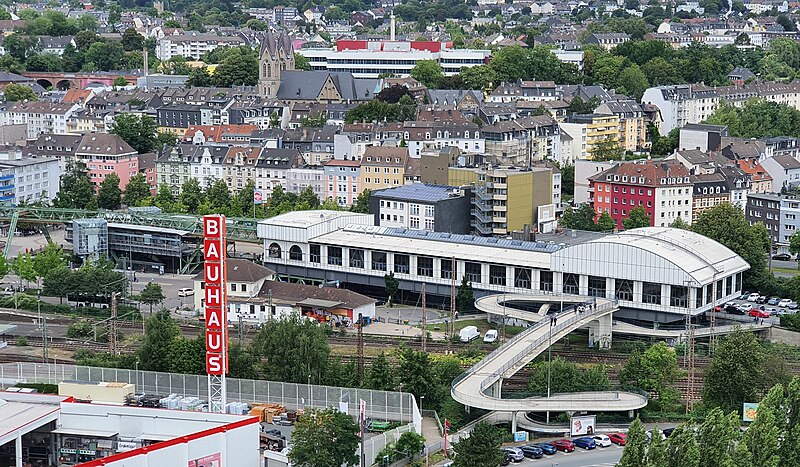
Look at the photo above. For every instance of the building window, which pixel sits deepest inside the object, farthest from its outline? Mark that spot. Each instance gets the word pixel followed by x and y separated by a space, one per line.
pixel 295 253
pixel 274 250
pixel 623 290
pixel 678 296
pixel 335 255
pixel 378 261
pixel 651 293
pixel 597 286
pixel 571 283
pixel 522 278
pixel 401 264
pixel 497 275
pixel 356 258
pixel 424 266
pixel 546 281
pixel 314 255
pixel 472 271
pixel 729 285
pixel 447 268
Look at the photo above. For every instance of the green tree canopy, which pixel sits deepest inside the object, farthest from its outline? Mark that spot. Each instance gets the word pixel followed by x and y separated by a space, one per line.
pixel 292 349
pixel 656 371
pixel 152 294
pixel 109 196
pixel 19 92
pixel 637 217
pixel 758 118
pixel 138 131
pixel 136 191
pixel 481 448
pixel 324 438
pixel 160 330
pixel 427 72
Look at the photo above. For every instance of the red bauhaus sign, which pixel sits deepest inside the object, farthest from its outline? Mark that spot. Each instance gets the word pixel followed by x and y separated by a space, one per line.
pixel 216 303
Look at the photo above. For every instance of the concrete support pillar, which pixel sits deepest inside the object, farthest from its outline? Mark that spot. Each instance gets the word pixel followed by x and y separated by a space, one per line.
pixel 611 287
pixel 600 332
pixel 18 450
pixel 637 291
pixel 535 277
pixel 583 285
pixel 513 422
pixel 495 389
pixel 665 294
pixel 630 414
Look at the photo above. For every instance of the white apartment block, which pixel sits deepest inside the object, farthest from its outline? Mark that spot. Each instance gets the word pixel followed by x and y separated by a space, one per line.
pixel 193 45
pixel 40 117
pixel 682 104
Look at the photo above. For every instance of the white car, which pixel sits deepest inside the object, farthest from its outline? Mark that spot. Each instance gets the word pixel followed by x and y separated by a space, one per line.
pixel 185 292
pixel 784 303
pixel 753 297
pixel 602 440
pixel 490 336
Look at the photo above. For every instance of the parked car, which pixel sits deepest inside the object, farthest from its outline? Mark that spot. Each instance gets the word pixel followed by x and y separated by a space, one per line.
pixel 507 459
pixel 185 292
pixel 563 445
pixel 761 300
pixel 784 303
pixel 546 448
pixel 782 257
pixel 602 440
pixel 585 443
pixel 490 336
pixel 469 333
pixel 792 306
pixel 516 454
pixel 753 297
pixel 773 301
pixel 745 295
pixel 732 309
pixel 534 452
pixel 668 431
pixel 649 435
pixel 618 438
pixel 756 313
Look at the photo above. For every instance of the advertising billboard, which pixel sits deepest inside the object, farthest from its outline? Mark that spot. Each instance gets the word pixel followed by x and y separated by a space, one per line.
pixel 216 304
pixel 581 426
pixel 749 411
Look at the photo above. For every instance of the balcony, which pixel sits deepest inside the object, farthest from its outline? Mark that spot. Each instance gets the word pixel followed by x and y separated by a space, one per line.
pixel 482 229
pixel 6 177
pixel 480 216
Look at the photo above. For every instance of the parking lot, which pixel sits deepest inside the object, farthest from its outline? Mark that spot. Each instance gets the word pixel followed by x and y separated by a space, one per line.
pixel 774 310
pixel 608 456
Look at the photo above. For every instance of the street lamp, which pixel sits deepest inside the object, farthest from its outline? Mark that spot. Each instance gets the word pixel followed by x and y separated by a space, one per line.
pixel 310 394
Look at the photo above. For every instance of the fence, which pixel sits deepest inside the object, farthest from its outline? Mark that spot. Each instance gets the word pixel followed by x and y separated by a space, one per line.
pixel 394 406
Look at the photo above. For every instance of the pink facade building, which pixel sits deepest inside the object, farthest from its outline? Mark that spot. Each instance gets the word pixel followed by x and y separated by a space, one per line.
pixel 342 181
pixel 106 153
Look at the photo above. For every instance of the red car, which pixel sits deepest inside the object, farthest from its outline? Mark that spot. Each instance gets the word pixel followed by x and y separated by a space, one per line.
pixel 756 313
pixel 618 438
pixel 563 445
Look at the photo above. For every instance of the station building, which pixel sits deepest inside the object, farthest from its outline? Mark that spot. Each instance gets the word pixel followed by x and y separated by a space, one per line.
pixel 658 274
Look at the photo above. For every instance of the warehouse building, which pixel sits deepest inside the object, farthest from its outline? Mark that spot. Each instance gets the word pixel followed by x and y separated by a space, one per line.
pixel 658 274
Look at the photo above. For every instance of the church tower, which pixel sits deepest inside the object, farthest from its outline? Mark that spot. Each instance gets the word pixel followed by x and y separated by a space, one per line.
pixel 277 56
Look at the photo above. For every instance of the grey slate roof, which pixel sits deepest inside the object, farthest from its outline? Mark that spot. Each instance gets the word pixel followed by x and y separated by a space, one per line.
pixel 306 85
pixel 416 192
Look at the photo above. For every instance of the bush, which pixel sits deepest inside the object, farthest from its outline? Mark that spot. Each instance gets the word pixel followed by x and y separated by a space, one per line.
pixel 22 341
pixel 79 330
pixel 791 322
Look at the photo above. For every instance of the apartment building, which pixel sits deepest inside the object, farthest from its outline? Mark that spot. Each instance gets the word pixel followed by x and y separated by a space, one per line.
pixel 239 167
pixel 662 189
pixel 419 206
pixel 383 167
pixel 505 199
pixel 591 130
pixel 173 167
pixel 193 45
pixel 533 91
pixel 609 40
pixel 766 208
pixel 682 104
pixel 273 166
pixel 632 124
pixel 105 154
pixel 342 181
pixel 28 179
pixel 784 170
pixel 41 117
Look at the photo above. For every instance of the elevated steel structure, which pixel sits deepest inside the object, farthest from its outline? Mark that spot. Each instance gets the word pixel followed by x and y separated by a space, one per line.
pixel 239 229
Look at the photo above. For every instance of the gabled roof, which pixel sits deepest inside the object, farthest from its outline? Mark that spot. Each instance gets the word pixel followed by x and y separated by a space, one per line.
pixel 307 85
pixel 104 144
pixel 296 293
pixel 242 270
pixel 271 44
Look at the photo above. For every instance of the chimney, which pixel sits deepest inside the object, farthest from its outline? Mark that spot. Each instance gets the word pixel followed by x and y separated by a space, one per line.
pixel 392 27
pixel 146 67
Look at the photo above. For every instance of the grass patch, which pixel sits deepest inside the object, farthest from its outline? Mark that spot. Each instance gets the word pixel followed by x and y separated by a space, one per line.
pixel 792 271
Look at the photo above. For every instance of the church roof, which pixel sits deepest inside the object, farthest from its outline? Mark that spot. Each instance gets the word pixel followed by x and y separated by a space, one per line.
pixel 272 44
pixel 307 85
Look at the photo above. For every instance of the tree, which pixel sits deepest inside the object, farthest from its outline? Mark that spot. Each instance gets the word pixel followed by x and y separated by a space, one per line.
pixel 132 40
pixel 138 131
pixel 192 195
pixel 605 222
pixel 362 202
pixel 656 455
pixel 679 223
pixel 758 118
pixel 187 356
pixel 427 72
pixel 736 372
pixel 660 72
pixel 50 258
pixel 152 294
pixel 75 190
pixel 119 82
pixel 718 436
pixel 164 198
pixel 410 444
pixel 568 181
pixel 415 373
pixel 4 267
pixel 301 62
pixel 632 81
pixel 44 62
pixel 104 56
pixel 218 196
pixel 656 371
pixel 607 149
pixel 637 217
pixel 634 454
pixel 579 219
pixel 787 24
pixel 23 267
pixel 390 284
pixel 380 375
pixel 239 66
pixel 682 449
pixel 480 449
pixel 291 349
pixel 58 283
pixel 159 332
pixel 19 92
pixel 727 225
pixel 109 196
pixel 137 190
pixel 324 438
pixel 465 298
pixel 567 377
pixel 392 94
pixel 199 77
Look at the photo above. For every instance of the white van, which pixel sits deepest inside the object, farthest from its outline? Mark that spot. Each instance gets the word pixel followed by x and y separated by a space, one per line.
pixel 469 333
pixel 490 336
pixel 185 292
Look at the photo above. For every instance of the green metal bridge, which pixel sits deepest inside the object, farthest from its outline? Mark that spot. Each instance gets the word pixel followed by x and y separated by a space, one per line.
pixel 239 229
